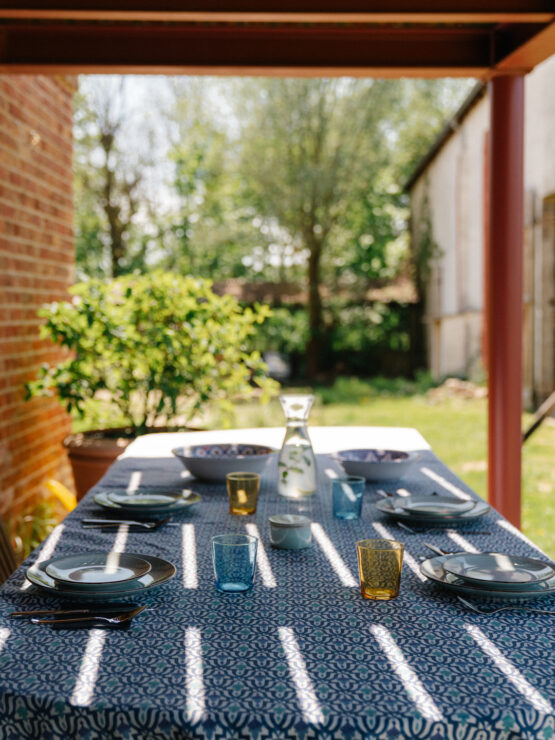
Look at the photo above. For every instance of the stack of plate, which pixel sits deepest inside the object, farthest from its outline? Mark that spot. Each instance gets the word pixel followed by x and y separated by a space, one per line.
pixel 147 502
pixel 100 575
pixel 436 511
pixel 492 575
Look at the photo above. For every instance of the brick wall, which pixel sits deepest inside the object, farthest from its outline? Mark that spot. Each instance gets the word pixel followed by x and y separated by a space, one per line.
pixel 36 266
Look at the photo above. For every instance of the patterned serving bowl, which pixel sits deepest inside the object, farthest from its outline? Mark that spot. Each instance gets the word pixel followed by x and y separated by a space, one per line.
pixel 214 461
pixel 377 465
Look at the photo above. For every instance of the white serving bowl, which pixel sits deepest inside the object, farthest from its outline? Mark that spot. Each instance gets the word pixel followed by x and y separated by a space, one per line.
pixel 377 465
pixel 214 461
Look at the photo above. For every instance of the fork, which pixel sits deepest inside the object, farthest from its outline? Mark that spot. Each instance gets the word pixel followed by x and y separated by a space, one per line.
pixel 116 619
pixel 101 523
pixel 435 529
pixel 481 610
pixel 437 550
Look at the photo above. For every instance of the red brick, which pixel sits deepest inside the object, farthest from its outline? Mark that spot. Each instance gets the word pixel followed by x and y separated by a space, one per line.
pixel 36 267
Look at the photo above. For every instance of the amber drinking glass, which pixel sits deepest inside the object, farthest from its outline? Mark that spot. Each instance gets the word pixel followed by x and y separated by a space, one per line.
pixel 242 489
pixel 379 565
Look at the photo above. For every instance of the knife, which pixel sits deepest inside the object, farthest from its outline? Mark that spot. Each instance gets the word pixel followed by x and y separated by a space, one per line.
pixel 119 618
pixel 104 608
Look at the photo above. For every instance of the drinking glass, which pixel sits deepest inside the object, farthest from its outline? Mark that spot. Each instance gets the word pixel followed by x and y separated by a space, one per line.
pixel 347 496
pixel 234 559
pixel 379 565
pixel 242 489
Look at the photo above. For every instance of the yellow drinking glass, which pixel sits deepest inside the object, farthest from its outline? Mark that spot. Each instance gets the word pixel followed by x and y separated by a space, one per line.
pixel 242 489
pixel 379 566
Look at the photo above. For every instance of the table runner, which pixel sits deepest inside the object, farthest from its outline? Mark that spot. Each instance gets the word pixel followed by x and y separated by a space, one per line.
pixel 301 655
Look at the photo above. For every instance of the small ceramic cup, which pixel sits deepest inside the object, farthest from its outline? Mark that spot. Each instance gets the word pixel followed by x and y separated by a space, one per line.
pixel 290 531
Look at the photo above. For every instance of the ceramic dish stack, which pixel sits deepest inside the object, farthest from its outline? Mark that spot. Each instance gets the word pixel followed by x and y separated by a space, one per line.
pixel 377 465
pixel 433 511
pixel 213 462
pixel 100 575
pixel 492 575
pixel 146 503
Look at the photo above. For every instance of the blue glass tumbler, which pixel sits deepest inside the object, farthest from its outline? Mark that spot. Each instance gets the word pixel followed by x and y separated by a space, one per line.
pixel 347 497
pixel 234 558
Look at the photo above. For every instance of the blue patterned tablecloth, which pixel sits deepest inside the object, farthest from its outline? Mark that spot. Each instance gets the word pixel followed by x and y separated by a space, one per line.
pixel 302 655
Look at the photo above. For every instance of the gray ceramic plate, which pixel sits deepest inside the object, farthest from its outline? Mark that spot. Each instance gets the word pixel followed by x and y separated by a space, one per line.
pixel 97 570
pixel 183 501
pixel 434 570
pixel 160 572
pixel 145 499
pixel 389 506
pixel 499 570
pixel 440 506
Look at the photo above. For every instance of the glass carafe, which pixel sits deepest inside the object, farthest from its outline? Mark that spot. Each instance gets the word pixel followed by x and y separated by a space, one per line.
pixel 296 464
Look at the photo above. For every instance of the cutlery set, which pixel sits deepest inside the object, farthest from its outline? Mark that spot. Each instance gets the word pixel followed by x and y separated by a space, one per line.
pixel 481 610
pixel 101 615
pixel 446 530
pixel 108 523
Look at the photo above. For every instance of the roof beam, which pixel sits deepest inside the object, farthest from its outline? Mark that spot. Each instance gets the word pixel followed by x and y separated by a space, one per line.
pixel 284 11
pixel 523 47
pixel 245 49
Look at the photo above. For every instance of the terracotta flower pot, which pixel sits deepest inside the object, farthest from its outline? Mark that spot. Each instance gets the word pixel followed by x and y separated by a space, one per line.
pixel 91 454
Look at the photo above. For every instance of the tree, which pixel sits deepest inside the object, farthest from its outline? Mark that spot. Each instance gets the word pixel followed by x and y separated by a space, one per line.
pixel 211 230
pixel 325 161
pixel 313 151
pixel 114 214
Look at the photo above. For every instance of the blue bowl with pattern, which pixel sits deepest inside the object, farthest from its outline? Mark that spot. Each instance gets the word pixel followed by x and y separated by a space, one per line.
pixel 214 461
pixel 377 465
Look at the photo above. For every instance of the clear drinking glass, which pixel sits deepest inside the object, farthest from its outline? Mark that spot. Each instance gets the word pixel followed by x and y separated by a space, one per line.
pixel 234 559
pixel 379 565
pixel 296 463
pixel 242 489
pixel 347 496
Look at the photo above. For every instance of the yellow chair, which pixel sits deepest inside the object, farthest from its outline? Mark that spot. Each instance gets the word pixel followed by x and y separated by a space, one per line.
pixel 63 494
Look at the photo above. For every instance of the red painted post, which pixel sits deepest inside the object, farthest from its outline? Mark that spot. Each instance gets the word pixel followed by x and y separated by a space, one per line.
pixel 505 301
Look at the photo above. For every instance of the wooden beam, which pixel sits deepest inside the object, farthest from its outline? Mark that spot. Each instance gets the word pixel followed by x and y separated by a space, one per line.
pixel 246 49
pixel 523 47
pixel 116 13
pixel 290 11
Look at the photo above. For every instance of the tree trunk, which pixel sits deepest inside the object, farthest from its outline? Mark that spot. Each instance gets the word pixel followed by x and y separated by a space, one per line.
pixel 315 315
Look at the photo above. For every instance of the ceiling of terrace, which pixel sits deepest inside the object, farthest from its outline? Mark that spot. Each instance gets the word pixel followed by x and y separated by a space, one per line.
pixel 391 38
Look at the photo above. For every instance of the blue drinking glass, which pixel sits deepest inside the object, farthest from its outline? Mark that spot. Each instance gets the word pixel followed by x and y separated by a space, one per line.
pixel 234 558
pixel 347 496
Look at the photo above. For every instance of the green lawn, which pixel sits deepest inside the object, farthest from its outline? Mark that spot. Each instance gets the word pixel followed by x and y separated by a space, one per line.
pixel 456 430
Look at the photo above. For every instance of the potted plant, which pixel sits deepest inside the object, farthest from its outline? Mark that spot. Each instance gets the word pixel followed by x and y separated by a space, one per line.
pixel 158 346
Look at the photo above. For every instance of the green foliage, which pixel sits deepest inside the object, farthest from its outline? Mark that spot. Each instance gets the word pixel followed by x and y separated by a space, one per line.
pixel 157 345
pixel 424 247
pixel 31 526
pixel 361 328
pixel 286 330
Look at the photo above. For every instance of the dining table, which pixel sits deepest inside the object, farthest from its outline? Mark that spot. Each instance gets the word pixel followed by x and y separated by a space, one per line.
pixel 301 654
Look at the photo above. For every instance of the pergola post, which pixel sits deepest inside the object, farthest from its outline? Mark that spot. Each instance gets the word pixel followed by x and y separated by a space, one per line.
pixel 504 290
